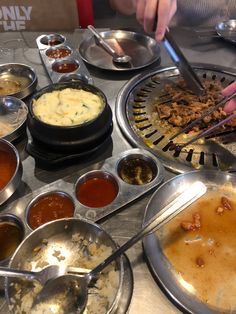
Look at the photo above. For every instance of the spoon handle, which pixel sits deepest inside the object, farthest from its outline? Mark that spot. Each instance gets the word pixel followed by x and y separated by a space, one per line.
pixel 22 274
pixel 105 45
pixel 191 193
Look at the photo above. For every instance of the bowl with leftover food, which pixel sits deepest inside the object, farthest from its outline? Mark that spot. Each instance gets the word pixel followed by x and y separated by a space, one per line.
pixel 10 170
pixel 13 115
pixel 17 79
pixel 193 256
pixel 69 115
pixel 66 242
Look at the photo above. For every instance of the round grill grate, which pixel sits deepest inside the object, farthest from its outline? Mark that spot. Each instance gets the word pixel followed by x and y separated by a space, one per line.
pixel 134 109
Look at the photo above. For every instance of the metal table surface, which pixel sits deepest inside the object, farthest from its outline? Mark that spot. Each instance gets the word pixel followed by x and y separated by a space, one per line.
pixel 147 296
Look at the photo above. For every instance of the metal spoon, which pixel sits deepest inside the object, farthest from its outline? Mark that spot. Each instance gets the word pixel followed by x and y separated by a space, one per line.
pixel 43 276
pixel 117 58
pixel 190 194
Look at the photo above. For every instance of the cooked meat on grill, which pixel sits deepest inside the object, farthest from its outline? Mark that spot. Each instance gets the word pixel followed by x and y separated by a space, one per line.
pixel 186 107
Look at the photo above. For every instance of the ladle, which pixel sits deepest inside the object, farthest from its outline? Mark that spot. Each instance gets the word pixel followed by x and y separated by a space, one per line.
pixel 191 193
pixel 117 58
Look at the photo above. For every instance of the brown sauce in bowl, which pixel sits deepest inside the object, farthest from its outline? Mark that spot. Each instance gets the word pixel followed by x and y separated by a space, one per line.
pixel 7 167
pixel 50 207
pixel 136 171
pixel 203 258
pixel 10 237
pixel 54 42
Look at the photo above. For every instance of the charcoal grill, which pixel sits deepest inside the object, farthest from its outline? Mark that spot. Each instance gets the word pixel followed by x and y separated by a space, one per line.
pixel 134 109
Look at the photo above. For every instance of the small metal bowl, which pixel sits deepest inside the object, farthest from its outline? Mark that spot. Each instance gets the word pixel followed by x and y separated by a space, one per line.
pixel 16 79
pixel 96 189
pixel 14 228
pixel 58 235
pixel 58 52
pixel 11 186
pixel 51 40
pixel 227 30
pixel 137 169
pixel 69 65
pixel 47 203
pixel 13 113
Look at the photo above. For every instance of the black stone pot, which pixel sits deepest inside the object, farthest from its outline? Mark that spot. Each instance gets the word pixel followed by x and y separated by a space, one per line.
pixel 61 138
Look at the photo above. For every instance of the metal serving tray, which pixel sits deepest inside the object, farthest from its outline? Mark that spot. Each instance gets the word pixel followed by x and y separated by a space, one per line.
pixel 126 193
pixel 81 73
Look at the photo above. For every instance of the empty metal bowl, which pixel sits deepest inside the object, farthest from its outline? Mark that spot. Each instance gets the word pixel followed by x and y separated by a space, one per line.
pixel 9 158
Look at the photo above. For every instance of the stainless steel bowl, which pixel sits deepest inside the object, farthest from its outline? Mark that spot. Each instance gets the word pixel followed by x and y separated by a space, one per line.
pixel 20 74
pixel 13 183
pixel 59 234
pixel 179 290
pixel 13 112
pixel 227 30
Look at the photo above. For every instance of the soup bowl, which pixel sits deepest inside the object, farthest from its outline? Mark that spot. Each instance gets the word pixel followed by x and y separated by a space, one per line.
pixel 81 136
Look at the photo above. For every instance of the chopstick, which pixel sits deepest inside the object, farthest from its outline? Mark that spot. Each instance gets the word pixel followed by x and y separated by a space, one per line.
pixel 208 131
pixel 214 33
pixel 204 114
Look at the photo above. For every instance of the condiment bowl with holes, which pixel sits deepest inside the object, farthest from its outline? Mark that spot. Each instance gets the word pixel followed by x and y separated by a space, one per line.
pixel 66 242
pixel 69 115
pixel 10 170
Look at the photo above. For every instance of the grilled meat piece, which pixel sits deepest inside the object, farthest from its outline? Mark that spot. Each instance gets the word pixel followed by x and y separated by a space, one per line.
pixel 186 107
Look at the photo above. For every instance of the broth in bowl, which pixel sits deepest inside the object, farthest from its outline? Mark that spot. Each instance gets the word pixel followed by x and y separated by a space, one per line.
pixel 200 246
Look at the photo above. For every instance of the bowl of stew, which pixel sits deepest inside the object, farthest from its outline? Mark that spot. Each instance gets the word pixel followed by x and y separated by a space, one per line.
pixel 69 115
pixel 10 170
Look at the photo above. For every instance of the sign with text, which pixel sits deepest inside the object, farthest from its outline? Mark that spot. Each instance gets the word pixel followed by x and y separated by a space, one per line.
pixel 35 15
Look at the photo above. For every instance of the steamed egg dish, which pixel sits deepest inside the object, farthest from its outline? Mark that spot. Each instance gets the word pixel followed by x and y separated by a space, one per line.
pixel 68 107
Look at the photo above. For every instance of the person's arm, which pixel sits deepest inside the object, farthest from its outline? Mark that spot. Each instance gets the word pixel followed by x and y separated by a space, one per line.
pixel 229 90
pixel 147 12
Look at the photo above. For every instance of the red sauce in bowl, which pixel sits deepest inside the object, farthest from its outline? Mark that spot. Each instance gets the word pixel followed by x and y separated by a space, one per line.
pixel 7 167
pixel 96 192
pixel 65 67
pixel 58 53
pixel 48 207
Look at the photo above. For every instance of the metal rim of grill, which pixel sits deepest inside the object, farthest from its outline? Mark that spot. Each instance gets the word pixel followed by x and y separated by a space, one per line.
pixel 134 106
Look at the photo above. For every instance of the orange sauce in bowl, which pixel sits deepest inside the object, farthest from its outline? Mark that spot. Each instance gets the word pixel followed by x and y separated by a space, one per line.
pixel 96 192
pixel 7 167
pixel 50 207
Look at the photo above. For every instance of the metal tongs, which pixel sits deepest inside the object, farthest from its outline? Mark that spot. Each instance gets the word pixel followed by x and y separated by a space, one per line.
pixel 185 69
pixel 205 113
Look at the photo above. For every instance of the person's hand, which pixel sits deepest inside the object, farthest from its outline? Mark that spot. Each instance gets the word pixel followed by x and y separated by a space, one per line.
pixel 229 90
pixel 150 11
